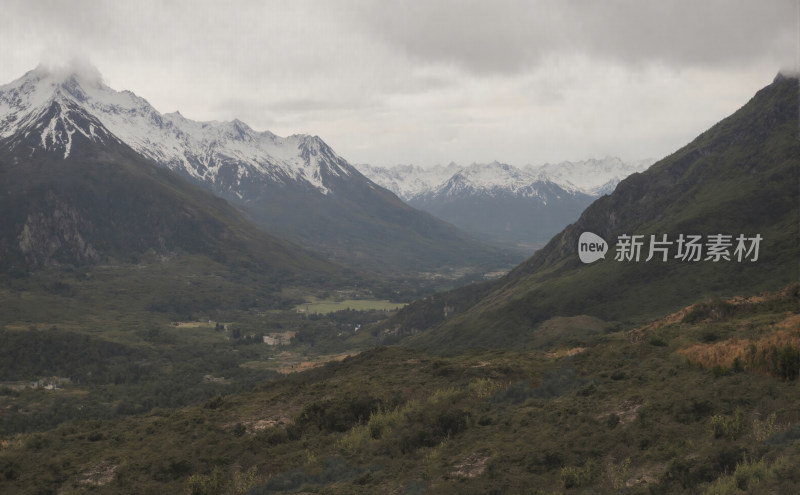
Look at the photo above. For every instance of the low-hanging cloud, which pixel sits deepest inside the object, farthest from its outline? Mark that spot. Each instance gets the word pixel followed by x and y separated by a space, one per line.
pixel 79 66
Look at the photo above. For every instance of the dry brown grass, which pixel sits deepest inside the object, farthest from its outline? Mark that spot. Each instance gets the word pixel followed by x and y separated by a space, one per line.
pixel 753 354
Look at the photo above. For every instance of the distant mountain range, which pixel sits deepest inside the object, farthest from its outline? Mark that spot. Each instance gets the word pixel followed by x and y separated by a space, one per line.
pixel 523 206
pixel 295 187
pixel 593 177
pixel 739 178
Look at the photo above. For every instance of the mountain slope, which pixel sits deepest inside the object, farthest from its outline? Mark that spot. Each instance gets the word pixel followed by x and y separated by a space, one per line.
pixel 296 187
pixel 739 177
pixel 73 195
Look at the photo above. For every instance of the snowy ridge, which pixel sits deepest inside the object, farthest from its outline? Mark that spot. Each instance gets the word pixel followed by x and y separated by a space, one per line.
pixel 593 177
pixel 198 149
pixel 493 179
pixel 408 181
pixel 63 123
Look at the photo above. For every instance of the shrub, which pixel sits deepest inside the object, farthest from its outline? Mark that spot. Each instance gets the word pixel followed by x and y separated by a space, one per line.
pixel 575 477
pixel 338 416
pixel 728 427
pixel 274 436
pixel 718 310
pixel 618 473
pixel 788 362
pixel 747 474
pixel 206 485
pixel 482 388
pixel 764 429
pixel 428 428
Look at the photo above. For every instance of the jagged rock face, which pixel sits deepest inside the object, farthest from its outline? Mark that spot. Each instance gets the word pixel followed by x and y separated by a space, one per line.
pixel 55 232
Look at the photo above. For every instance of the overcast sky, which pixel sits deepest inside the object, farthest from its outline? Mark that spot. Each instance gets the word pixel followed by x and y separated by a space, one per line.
pixel 429 81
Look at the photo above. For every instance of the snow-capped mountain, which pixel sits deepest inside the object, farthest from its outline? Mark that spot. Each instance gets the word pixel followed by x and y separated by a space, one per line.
pixel 296 187
pixel 495 180
pixel 504 203
pixel 408 181
pixel 523 206
pixel 220 154
pixel 594 176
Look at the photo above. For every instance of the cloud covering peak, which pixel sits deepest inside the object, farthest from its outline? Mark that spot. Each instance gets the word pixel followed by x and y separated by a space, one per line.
pixel 79 67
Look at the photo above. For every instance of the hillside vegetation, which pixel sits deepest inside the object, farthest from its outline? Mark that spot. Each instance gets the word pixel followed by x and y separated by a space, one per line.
pixel 614 412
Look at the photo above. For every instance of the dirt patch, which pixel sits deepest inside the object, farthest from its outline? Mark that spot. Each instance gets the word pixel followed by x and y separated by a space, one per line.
pixel 647 475
pixel 289 365
pixel 263 424
pixel 473 466
pixel 195 324
pixel 216 379
pixel 559 353
pixel 257 425
pixel 626 412
pixel 100 474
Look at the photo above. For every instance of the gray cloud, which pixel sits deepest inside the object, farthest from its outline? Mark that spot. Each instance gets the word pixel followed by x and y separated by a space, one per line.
pixel 508 36
pixel 428 80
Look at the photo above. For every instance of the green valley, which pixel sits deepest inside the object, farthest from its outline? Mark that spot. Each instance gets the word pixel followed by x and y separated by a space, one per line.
pixel 201 308
pixel 634 411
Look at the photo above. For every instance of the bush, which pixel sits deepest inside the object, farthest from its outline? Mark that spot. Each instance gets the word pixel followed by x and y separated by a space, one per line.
pixel 206 485
pixel 338 416
pixel 788 362
pixel 429 428
pixel 274 436
pixel 333 470
pixel 728 427
pixel 747 474
pixel 574 477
